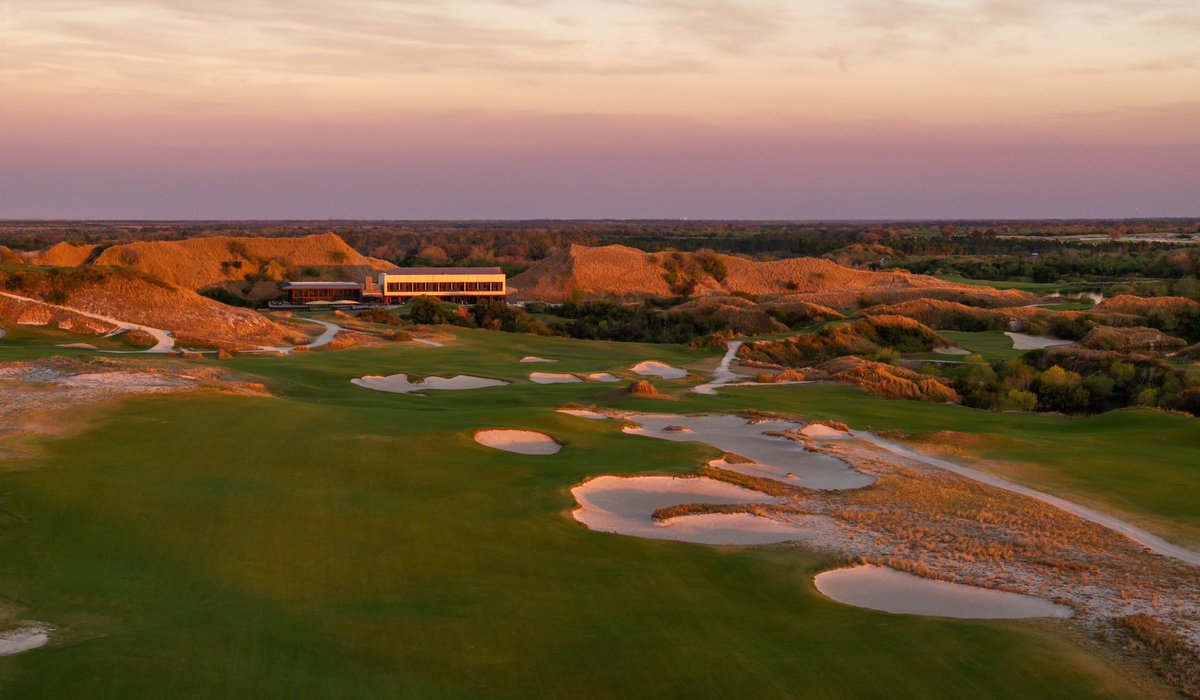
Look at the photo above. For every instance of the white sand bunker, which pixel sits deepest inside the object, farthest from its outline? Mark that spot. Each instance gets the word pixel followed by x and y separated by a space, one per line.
pixel 583 413
pixel 952 351
pixel 772 457
pixel 525 442
pixel 626 506
pixel 30 635
pixel 881 588
pixel 820 431
pixel 603 377
pixel 553 378
pixel 1021 341
pixel 534 358
pixel 399 383
pixel 654 368
pixel 80 346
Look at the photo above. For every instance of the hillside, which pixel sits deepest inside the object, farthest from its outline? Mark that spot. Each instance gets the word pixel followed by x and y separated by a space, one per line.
pixel 61 255
pixel 197 263
pixel 621 271
pixel 134 298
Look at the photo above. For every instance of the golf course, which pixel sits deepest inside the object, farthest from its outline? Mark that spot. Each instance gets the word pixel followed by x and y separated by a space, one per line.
pixel 329 540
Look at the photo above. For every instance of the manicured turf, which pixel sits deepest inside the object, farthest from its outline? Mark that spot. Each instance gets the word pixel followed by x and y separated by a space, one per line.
pixel 339 542
pixel 992 345
pixel 1035 287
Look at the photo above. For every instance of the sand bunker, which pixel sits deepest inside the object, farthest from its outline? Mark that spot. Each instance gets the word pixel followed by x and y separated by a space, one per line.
pixel 553 378
pixel 81 346
pixel 626 506
pixel 773 457
pixel 583 413
pixel 823 432
pixel 533 358
pixel 603 377
pixel 1022 341
pixel 653 368
pixel 952 351
pixel 399 384
pixel 526 442
pixel 881 588
pixel 30 635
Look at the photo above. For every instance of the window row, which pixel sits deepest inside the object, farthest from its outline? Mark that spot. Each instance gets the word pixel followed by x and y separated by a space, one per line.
pixel 445 287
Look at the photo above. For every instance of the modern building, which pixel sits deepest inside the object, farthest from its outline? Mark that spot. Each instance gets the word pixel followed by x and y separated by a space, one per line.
pixel 462 285
pixel 309 292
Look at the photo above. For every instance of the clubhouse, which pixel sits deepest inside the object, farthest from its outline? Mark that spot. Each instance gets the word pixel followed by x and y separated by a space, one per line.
pixel 461 285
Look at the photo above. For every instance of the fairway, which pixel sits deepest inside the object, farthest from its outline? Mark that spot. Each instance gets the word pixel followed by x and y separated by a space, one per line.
pixel 334 541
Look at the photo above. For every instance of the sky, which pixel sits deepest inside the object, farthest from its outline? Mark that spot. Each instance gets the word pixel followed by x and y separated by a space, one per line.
pixel 518 109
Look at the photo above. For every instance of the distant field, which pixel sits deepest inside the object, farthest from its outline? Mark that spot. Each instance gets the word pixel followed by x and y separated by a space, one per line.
pixel 339 542
pixel 1035 287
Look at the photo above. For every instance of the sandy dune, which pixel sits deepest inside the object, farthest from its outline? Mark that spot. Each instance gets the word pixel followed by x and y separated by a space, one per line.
pixel 626 506
pixel 526 442
pixel 773 457
pixel 399 383
pixel 654 368
pixel 881 588
pixel 553 378
pixel 164 341
pixel 1021 341
pixel 30 635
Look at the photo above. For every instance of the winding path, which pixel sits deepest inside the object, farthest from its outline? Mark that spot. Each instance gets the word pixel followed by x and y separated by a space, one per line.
pixel 326 337
pixel 1154 543
pixel 722 374
pixel 164 341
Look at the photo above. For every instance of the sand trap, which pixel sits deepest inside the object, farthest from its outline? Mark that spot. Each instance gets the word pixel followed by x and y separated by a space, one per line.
pixel 773 457
pixel 626 506
pixel 823 432
pixel 553 378
pixel 427 341
pixel 81 346
pixel 952 351
pixel 1022 341
pixel 533 358
pixel 881 588
pixel 583 413
pixel 603 377
pixel 654 368
pixel 30 635
pixel 399 384
pixel 525 442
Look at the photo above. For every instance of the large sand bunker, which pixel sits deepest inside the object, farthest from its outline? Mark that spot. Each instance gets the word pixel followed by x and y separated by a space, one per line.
pixel 773 457
pixel 626 506
pixel 30 635
pixel 1021 341
pixel 654 368
pixel 603 377
pixel 553 378
pixel 525 442
pixel 399 383
pixel 881 588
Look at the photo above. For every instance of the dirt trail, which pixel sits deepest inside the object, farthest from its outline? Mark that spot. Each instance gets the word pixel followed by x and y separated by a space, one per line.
pixel 1152 542
pixel 326 337
pixel 722 374
pixel 164 342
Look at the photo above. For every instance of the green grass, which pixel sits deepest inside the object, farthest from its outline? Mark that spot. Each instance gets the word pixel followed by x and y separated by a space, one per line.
pixel 338 542
pixel 18 336
pixel 992 345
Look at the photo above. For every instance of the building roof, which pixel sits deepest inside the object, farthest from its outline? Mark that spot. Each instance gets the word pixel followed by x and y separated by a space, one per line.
pixel 445 271
pixel 320 285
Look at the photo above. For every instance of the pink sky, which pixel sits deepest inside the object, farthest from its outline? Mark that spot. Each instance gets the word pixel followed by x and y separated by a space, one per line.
pixel 621 108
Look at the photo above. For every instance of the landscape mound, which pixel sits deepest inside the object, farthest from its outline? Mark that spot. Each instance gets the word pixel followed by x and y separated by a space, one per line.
pixel 1143 306
pixel 642 388
pixel 858 337
pixel 61 255
pixel 621 271
pixel 944 315
pixel 1127 339
pixel 889 381
pixel 196 263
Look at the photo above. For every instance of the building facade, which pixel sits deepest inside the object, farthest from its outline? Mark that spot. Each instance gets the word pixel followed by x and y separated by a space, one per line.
pixel 309 292
pixel 462 285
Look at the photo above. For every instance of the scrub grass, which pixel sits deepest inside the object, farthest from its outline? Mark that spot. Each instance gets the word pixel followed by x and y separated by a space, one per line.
pixel 335 541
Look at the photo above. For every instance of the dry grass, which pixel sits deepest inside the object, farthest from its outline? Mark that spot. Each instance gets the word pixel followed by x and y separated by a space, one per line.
pixel 642 388
pixel 889 381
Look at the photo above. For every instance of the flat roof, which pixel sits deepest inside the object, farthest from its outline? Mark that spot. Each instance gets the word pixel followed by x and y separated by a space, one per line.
pixel 320 285
pixel 445 271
